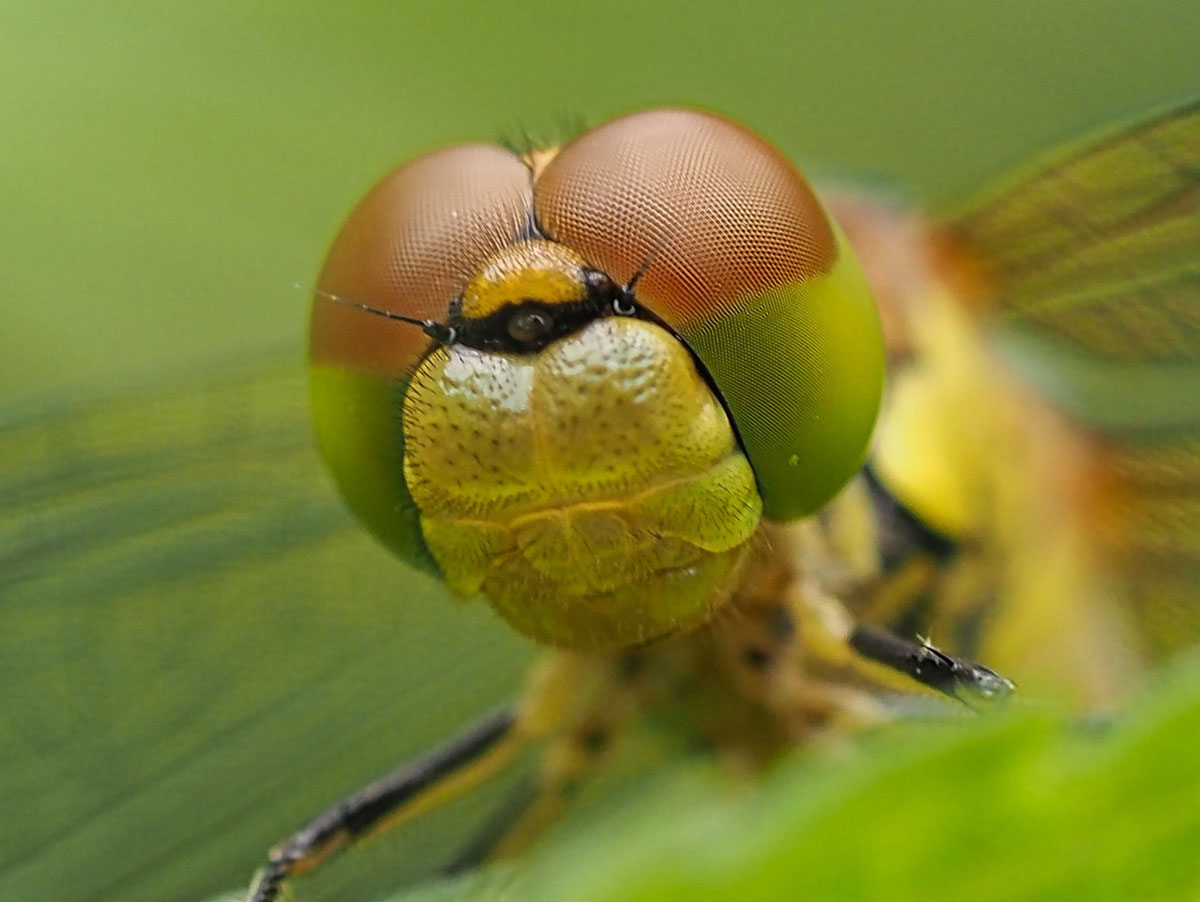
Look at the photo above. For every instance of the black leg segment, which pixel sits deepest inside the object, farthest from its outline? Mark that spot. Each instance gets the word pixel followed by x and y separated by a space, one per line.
pixel 368 808
pixel 959 679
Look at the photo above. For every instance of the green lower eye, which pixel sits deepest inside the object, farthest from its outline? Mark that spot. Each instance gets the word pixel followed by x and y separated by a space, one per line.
pixel 599 478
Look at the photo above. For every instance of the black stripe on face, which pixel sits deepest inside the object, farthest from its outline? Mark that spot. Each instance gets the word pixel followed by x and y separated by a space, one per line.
pixel 526 326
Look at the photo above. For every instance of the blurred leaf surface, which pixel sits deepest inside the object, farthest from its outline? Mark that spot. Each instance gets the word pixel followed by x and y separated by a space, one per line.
pixel 1025 806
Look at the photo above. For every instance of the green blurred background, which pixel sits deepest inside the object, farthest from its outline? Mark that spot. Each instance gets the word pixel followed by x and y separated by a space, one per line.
pixel 197 647
pixel 170 171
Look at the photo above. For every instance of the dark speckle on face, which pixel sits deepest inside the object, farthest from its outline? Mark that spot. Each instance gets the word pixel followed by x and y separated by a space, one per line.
pixel 756 657
pixel 781 624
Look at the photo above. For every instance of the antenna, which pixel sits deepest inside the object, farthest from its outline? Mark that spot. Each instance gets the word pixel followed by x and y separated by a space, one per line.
pixel 439 332
pixel 645 265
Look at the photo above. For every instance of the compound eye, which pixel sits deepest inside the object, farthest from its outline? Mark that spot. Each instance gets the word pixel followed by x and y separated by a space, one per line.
pixel 527 326
pixel 410 247
pixel 733 251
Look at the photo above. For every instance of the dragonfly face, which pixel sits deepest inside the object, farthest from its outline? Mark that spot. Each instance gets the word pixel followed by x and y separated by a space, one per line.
pixel 652 346
pixel 199 513
pixel 653 338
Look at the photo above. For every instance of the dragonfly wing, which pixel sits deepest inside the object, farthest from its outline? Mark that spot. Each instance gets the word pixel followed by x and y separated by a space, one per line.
pixel 199 648
pixel 1091 269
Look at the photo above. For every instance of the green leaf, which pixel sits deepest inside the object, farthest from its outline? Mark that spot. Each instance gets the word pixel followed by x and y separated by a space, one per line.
pixel 1025 806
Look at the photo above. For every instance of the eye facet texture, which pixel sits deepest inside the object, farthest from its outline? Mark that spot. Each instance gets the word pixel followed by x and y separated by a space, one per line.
pixel 410 246
pixel 726 244
pixel 714 214
pixel 734 252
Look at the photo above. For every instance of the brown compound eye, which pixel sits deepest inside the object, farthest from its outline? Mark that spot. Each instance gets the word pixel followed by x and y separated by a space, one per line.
pixel 409 247
pixel 733 251
pixel 711 211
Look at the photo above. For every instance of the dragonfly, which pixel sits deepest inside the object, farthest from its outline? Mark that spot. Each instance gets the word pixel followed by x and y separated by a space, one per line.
pixel 1025 502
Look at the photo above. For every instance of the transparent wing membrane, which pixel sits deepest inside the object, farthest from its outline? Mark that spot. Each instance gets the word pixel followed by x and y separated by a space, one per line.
pixel 200 645
pixel 1092 264
pixel 1101 248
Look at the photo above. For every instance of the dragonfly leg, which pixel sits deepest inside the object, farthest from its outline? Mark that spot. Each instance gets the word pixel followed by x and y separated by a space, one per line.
pixel 832 635
pixel 466 761
pixel 481 847
pixel 571 757
pixel 957 678
pixel 569 703
pixel 532 809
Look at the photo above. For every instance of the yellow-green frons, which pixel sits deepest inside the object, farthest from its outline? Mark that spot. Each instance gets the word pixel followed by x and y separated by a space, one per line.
pixel 594 492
